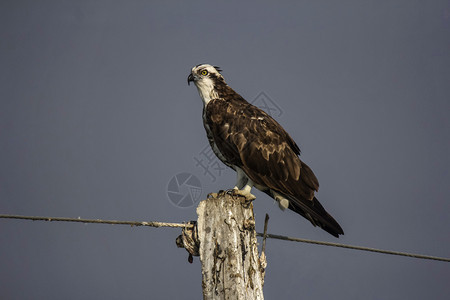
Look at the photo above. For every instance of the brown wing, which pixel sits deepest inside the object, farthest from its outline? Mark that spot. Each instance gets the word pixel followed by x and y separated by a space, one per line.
pixel 252 140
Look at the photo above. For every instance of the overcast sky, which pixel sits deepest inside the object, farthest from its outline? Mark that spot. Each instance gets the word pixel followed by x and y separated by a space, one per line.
pixel 97 121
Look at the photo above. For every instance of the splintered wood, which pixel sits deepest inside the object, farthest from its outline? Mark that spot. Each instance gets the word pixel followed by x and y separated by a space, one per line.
pixel 231 266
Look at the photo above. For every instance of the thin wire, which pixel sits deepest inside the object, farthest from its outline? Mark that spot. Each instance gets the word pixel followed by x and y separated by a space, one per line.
pixel 184 225
pixel 286 238
pixel 97 221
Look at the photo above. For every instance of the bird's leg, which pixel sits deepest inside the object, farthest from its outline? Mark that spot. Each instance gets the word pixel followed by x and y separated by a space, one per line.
pixel 283 203
pixel 243 186
pixel 241 179
pixel 245 191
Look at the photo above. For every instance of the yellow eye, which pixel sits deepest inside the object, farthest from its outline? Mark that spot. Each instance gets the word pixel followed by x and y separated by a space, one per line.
pixel 204 73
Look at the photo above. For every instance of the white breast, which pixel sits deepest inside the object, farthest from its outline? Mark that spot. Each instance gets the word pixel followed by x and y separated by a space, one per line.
pixel 206 90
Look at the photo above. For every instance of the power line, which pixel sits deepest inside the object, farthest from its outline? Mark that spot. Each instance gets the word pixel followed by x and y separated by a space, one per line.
pixel 96 221
pixel 286 238
pixel 186 225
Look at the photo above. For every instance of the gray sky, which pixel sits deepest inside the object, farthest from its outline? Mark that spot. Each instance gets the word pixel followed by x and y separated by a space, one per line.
pixel 96 118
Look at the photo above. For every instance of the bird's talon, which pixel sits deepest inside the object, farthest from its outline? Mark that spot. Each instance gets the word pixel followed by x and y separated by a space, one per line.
pixel 242 193
pixel 230 192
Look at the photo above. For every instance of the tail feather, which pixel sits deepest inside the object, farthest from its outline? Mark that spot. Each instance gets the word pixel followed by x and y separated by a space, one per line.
pixel 316 214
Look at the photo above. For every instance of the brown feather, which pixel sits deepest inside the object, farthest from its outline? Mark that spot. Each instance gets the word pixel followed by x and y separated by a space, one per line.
pixel 250 139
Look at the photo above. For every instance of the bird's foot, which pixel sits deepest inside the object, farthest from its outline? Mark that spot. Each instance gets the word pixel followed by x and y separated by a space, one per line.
pixel 243 193
pixel 283 203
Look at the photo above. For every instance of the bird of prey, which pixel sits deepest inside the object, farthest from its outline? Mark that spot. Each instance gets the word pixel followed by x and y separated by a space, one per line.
pixel 262 153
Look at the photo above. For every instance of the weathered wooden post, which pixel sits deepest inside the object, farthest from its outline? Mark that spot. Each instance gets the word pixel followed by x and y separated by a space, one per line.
pixel 225 240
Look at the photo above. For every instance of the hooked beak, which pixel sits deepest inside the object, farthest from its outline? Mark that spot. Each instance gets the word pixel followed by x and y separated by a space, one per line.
pixel 190 78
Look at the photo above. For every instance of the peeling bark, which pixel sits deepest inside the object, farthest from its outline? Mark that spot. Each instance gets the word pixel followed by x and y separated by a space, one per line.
pixel 231 266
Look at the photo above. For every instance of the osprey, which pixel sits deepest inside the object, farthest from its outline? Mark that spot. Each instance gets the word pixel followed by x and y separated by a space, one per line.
pixel 262 153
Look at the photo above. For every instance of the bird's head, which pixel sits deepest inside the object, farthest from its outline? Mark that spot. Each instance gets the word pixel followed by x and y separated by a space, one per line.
pixel 206 78
pixel 203 73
